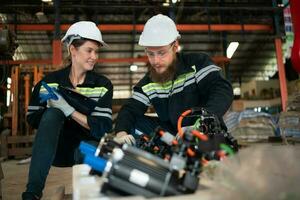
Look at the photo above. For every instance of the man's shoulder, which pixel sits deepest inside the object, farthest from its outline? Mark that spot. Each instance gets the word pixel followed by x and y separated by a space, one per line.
pixel 198 60
pixel 195 58
pixel 193 54
pixel 144 80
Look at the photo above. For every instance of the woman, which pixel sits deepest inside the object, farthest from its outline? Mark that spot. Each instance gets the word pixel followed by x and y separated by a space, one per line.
pixel 60 125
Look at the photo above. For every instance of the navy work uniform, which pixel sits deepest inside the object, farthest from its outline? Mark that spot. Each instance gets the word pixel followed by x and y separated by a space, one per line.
pixel 197 83
pixel 58 136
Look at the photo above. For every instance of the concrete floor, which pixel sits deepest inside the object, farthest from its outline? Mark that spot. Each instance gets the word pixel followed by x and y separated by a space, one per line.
pixel 15 179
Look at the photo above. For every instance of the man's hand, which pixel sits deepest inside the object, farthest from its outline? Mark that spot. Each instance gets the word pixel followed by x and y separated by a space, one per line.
pixel 61 104
pixel 123 138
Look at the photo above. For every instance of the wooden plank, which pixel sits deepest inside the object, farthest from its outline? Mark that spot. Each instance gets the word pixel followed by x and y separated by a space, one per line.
pixel 4 134
pixel 19 151
pixel 15 101
pixel 20 139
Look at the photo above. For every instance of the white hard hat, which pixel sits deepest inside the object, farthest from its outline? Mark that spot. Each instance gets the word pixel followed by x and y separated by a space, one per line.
pixel 85 30
pixel 159 30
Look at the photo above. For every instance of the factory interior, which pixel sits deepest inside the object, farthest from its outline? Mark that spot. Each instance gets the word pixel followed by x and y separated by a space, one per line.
pixel 249 151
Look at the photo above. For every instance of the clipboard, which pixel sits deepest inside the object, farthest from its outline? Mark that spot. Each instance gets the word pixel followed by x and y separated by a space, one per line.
pixel 81 103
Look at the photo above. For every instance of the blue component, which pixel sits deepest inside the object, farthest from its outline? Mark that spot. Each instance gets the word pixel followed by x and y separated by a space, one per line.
pixel 86 148
pixel 50 95
pixel 96 163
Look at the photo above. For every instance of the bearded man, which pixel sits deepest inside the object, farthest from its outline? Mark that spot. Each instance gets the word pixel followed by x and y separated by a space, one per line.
pixel 174 83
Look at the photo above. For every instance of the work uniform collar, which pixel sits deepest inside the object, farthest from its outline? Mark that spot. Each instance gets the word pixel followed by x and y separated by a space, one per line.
pixel 88 80
pixel 181 66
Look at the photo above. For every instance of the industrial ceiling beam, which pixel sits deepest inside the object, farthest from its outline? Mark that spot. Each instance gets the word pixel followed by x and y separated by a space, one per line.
pixel 216 59
pixel 49 61
pixel 139 27
pixel 135 5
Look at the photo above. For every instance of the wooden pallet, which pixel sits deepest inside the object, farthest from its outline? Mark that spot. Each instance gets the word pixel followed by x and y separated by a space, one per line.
pixel 16 146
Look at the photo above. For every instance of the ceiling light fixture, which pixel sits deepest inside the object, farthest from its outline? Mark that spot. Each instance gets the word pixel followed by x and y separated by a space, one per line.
pixel 237 91
pixel 133 67
pixel 40 13
pixel 47 1
pixel 167 3
pixel 231 49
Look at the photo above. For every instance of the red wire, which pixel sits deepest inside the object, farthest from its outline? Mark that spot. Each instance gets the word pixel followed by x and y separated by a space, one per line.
pixel 179 122
pixel 221 154
pixel 190 152
pixel 204 161
pixel 200 135
pixel 196 133
pixel 161 133
pixel 175 142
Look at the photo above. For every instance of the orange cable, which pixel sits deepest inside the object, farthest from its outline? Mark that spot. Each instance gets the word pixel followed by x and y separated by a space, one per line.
pixel 221 154
pixel 204 161
pixel 200 135
pixel 161 132
pixel 179 122
pixel 190 152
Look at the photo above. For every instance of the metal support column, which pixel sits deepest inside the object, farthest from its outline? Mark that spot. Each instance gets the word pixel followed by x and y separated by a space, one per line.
pixel 279 58
pixel 281 72
pixel 132 48
pixel 56 44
